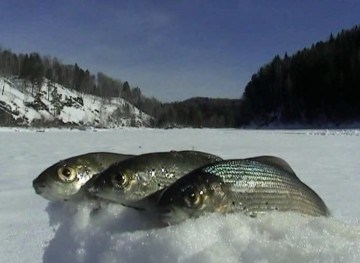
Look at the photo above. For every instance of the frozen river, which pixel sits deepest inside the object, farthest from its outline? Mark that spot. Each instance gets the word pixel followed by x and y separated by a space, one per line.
pixel 34 230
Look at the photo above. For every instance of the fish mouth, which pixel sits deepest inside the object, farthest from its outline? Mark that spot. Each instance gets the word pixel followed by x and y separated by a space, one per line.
pixel 165 216
pixel 165 212
pixel 38 190
pixel 42 190
pixel 39 187
pixel 172 215
pixel 169 216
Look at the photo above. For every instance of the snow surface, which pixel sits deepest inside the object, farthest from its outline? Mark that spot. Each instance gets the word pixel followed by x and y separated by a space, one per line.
pixel 35 230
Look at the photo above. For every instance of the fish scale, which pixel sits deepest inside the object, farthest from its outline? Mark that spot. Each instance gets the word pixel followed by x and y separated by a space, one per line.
pixel 253 185
pixel 147 174
pixel 267 188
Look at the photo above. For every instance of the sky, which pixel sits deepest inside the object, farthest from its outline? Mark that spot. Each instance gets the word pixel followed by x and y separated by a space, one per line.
pixel 173 50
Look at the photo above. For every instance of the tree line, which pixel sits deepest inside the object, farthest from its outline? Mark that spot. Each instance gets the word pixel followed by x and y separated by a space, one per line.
pixel 320 84
pixel 200 112
pixel 315 86
pixel 33 68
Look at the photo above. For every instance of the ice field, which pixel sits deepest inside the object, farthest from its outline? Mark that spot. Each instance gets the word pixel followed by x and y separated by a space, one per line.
pixel 34 230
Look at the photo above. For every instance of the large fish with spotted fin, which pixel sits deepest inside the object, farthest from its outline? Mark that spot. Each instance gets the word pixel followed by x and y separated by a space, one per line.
pixel 252 186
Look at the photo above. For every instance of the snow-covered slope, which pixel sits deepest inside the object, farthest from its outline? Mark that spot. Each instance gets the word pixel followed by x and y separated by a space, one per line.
pixel 55 104
pixel 34 230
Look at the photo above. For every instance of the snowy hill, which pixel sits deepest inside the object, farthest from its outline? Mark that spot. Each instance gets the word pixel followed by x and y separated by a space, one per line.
pixel 54 105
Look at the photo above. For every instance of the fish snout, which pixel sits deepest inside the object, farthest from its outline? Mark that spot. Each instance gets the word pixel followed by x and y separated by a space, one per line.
pixel 38 187
pixel 168 216
pixel 164 211
pixel 38 190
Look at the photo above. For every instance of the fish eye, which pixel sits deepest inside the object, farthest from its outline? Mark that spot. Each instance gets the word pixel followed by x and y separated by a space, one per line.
pixel 120 180
pixel 67 174
pixel 191 196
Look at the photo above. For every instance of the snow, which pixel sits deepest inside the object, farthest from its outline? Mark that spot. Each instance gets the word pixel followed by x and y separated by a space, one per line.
pixel 94 111
pixel 35 230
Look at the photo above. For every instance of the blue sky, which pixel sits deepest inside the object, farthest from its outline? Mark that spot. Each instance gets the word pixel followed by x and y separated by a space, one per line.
pixel 173 50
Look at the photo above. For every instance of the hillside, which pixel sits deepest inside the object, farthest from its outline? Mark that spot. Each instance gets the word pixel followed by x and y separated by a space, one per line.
pixel 54 105
pixel 315 86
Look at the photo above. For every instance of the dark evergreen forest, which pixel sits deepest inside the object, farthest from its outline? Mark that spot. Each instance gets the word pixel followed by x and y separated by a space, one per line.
pixel 317 85
pixel 200 112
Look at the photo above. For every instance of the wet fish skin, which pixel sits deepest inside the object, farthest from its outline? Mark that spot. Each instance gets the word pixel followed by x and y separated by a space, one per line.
pixel 131 180
pixel 66 179
pixel 252 186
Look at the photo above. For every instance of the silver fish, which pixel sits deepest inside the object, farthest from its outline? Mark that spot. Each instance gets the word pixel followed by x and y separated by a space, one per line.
pixel 252 186
pixel 66 179
pixel 131 180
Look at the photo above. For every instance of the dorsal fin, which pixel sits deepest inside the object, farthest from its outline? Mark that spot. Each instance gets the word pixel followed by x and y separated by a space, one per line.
pixel 274 161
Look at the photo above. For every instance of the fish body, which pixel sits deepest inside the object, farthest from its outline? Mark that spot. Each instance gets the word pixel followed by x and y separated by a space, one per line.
pixel 252 186
pixel 66 179
pixel 133 179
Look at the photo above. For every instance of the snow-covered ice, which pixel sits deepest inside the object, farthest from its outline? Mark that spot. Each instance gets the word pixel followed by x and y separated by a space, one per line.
pixel 35 230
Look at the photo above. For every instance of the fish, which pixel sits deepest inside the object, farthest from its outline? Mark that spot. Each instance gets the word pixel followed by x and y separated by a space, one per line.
pixel 251 186
pixel 66 179
pixel 131 180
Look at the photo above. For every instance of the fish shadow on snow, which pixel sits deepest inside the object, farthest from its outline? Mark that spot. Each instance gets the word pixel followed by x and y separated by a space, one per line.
pixel 85 230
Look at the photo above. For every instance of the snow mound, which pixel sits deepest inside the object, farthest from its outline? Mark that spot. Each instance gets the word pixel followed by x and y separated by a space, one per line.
pixel 92 232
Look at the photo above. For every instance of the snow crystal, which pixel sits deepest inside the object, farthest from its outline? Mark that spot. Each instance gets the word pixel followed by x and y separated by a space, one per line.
pixel 116 234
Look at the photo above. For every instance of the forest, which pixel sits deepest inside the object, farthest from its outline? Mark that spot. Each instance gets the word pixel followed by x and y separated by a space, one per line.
pixel 315 86
pixel 200 112
pixel 33 68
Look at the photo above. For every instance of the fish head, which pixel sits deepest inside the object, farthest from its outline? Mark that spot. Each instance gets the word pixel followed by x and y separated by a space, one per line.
pixel 65 179
pixel 121 184
pixel 191 196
